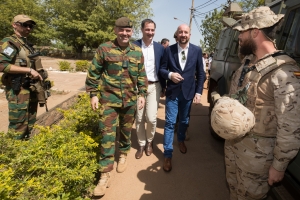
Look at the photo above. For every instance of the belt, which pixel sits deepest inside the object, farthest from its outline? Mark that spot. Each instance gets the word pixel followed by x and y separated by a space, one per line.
pixel 152 82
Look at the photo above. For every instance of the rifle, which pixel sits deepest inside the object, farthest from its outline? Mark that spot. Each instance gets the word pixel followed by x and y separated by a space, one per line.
pixel 42 88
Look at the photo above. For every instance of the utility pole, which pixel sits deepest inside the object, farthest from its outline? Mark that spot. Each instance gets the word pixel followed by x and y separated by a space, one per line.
pixel 192 15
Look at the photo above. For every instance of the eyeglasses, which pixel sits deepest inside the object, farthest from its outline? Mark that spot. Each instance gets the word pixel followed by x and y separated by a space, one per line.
pixel 25 25
pixel 183 55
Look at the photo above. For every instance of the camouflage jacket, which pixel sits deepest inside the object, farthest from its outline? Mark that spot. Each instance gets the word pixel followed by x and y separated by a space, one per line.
pixel 274 99
pixel 10 48
pixel 119 75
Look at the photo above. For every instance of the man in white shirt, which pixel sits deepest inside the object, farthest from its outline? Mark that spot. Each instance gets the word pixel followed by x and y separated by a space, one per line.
pixel 153 53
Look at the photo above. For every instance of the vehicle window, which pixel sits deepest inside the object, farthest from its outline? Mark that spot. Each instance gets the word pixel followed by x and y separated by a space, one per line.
pixel 290 40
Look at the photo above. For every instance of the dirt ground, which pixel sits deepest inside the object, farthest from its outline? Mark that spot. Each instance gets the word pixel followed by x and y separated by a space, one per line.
pixel 66 85
pixel 199 174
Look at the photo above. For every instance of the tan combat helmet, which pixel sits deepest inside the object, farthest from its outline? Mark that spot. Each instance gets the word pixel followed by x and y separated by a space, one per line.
pixel 230 119
pixel 261 17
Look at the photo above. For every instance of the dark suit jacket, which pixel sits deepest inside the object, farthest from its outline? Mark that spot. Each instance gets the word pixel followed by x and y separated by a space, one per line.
pixel 158 55
pixel 193 73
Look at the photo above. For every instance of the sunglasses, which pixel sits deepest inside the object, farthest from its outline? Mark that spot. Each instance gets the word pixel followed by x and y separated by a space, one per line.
pixel 25 25
pixel 183 55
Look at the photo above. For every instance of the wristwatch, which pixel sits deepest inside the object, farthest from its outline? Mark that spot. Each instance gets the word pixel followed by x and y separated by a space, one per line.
pixel 93 95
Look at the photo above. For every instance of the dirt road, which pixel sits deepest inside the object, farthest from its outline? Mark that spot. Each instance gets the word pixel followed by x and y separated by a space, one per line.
pixel 197 175
pixel 65 86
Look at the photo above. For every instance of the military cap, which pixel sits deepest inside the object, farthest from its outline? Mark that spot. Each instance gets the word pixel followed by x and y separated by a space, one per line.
pixel 261 17
pixel 230 119
pixel 22 19
pixel 124 22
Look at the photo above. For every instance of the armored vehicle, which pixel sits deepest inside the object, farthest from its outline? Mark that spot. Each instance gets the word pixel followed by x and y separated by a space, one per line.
pixel 226 61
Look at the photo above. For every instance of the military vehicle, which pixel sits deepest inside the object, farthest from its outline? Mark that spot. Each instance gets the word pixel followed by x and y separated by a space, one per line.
pixel 226 61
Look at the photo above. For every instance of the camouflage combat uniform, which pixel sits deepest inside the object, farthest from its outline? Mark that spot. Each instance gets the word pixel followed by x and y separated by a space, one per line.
pixel 22 103
pixel 119 76
pixel 273 98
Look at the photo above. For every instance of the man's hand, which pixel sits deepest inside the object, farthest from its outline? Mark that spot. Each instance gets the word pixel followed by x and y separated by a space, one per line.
pixel 141 102
pixel 35 74
pixel 274 176
pixel 176 78
pixel 197 99
pixel 94 102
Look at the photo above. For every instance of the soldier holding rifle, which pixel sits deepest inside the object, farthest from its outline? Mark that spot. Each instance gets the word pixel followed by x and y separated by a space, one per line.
pixel 18 69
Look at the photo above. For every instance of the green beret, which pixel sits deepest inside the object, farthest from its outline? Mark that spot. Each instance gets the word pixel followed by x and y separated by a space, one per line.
pixel 124 22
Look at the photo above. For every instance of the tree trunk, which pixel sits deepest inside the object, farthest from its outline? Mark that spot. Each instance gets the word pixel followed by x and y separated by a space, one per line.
pixel 79 49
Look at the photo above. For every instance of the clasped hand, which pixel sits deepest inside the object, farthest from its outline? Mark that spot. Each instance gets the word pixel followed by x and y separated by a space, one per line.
pixel 176 78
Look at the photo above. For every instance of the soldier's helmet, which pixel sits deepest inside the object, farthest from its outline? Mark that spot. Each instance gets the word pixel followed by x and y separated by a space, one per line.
pixel 261 17
pixel 230 119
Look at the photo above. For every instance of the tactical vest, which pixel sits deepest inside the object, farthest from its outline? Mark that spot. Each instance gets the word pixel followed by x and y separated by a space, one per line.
pixel 264 111
pixel 21 59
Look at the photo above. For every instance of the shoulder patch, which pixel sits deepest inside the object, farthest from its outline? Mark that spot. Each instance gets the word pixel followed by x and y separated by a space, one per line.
pixel 8 51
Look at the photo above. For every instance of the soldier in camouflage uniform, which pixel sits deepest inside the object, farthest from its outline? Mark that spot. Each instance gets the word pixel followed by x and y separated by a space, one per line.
pixel 117 80
pixel 15 65
pixel 259 159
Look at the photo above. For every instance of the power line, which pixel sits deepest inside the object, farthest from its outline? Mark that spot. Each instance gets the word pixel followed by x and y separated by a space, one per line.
pixel 198 27
pixel 204 3
pixel 199 14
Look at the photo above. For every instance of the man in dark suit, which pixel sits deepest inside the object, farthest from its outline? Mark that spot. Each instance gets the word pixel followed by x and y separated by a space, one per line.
pixel 182 67
pixel 153 53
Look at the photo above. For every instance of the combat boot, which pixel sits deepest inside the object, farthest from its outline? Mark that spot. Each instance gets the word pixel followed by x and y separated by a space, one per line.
pixel 122 164
pixel 103 183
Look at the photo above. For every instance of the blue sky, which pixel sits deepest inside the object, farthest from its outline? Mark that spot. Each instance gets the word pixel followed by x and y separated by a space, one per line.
pixel 165 10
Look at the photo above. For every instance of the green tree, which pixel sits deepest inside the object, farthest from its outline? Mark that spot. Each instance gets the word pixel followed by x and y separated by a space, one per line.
pixel 249 5
pixel 80 23
pixel 10 8
pixel 212 26
pixel 77 23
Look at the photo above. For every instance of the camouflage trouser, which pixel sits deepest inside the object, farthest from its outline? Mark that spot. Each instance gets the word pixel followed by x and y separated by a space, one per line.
pixel 108 122
pixel 247 163
pixel 22 109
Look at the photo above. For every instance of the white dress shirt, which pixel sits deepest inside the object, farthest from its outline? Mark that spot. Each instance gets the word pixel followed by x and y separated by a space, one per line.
pixel 180 56
pixel 149 61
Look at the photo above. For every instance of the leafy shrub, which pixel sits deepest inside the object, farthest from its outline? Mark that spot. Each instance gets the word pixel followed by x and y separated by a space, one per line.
pixel 82 65
pixel 57 163
pixel 64 66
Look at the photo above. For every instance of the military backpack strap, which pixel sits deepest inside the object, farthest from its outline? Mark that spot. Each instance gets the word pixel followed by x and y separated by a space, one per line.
pixel 15 42
pixel 245 70
pixel 275 61
pixel 23 44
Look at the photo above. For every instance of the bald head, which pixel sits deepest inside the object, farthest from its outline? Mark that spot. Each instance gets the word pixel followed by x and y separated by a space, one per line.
pixel 183 27
pixel 183 34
